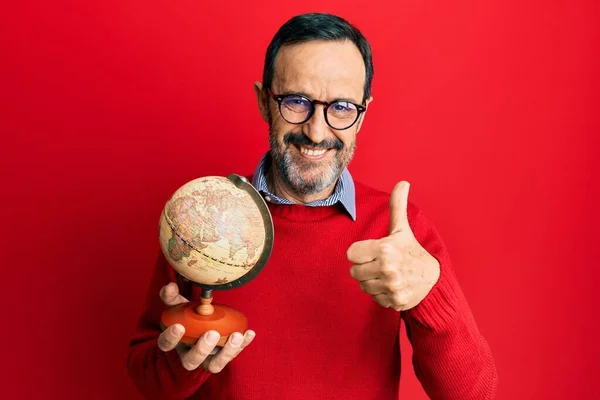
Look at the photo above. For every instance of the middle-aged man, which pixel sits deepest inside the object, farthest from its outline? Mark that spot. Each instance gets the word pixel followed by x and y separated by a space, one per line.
pixel 339 245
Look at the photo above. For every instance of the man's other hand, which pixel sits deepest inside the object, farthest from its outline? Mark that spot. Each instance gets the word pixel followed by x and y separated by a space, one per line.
pixel 204 353
pixel 395 270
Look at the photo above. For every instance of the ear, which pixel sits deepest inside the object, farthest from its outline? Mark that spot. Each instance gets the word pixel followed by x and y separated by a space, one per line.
pixel 262 100
pixel 362 117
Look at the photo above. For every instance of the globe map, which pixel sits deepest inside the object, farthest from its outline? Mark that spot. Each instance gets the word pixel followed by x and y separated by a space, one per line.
pixel 211 231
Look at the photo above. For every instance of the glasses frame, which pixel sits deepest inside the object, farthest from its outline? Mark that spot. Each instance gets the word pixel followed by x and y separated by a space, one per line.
pixel 280 97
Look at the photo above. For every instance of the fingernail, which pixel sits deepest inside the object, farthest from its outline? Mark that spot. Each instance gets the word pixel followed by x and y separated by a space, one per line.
pixel 236 339
pixel 177 329
pixel 212 337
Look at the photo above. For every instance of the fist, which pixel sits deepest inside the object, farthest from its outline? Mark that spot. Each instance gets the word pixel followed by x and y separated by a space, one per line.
pixel 395 270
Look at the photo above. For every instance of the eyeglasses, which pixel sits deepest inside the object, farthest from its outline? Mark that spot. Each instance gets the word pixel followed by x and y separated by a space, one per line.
pixel 297 109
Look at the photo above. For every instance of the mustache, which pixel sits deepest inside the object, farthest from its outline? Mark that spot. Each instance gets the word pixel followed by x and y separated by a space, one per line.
pixel 300 139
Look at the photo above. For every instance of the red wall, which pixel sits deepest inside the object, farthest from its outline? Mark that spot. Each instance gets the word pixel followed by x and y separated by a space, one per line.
pixel 490 109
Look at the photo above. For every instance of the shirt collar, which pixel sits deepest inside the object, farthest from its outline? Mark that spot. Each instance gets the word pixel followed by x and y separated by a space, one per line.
pixel 344 192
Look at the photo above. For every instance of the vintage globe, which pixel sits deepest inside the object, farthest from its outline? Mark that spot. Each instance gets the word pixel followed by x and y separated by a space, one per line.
pixel 216 231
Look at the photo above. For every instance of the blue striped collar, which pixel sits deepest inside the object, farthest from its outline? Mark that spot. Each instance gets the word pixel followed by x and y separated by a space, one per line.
pixel 343 193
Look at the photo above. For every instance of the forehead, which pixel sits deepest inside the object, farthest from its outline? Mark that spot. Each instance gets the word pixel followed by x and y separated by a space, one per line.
pixel 324 70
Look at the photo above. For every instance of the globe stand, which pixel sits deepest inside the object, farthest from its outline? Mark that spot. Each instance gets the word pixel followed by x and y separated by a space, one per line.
pixel 198 317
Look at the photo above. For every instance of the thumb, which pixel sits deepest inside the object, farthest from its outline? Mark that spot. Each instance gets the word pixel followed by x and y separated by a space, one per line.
pixel 398 205
pixel 170 295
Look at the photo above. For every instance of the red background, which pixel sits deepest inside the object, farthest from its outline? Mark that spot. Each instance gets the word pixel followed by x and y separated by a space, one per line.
pixel 489 109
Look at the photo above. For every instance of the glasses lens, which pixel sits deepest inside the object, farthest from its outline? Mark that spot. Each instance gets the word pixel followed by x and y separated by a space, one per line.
pixel 342 114
pixel 295 109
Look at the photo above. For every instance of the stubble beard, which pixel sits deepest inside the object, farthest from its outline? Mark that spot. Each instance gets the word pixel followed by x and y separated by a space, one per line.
pixel 299 175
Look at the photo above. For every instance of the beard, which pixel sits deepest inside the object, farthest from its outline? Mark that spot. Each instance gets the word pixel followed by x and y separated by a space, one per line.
pixel 306 177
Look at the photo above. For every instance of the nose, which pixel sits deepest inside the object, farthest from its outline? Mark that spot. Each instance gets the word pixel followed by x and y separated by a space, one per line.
pixel 316 127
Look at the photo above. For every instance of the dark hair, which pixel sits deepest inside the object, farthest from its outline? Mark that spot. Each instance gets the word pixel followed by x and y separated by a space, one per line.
pixel 317 26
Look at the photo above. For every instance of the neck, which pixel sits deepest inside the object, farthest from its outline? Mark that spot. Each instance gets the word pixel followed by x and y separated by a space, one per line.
pixel 278 188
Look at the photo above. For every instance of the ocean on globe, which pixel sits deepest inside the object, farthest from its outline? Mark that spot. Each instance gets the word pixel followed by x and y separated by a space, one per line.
pixel 211 231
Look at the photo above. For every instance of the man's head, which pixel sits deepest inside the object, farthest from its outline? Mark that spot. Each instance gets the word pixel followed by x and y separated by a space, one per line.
pixel 314 58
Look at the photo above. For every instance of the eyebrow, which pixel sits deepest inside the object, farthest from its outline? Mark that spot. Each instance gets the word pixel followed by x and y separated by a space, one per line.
pixel 299 93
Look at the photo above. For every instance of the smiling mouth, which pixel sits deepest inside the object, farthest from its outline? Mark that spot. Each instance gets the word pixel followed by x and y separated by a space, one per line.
pixel 312 153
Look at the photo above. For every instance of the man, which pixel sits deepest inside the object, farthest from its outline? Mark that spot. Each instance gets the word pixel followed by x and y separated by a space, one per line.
pixel 339 245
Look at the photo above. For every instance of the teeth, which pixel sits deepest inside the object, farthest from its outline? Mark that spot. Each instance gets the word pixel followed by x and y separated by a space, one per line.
pixel 311 152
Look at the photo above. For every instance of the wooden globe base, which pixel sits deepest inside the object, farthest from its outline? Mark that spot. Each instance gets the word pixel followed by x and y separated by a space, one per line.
pixel 201 316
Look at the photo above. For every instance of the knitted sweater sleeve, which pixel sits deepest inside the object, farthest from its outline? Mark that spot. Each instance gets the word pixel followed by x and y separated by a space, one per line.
pixel 451 358
pixel 158 374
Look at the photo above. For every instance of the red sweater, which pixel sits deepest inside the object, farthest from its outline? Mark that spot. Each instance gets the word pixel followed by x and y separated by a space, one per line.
pixel 318 336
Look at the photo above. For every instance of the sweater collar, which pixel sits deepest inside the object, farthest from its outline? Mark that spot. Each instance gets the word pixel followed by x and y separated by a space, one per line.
pixel 343 194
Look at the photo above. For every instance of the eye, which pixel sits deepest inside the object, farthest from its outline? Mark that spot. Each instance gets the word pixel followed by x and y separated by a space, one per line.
pixel 296 103
pixel 342 109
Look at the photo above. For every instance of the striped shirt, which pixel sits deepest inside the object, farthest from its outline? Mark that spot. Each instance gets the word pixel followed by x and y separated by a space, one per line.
pixel 342 194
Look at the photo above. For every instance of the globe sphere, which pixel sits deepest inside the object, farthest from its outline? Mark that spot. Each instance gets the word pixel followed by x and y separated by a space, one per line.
pixel 216 230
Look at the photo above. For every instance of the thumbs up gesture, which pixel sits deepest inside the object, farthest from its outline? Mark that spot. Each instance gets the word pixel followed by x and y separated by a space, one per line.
pixel 395 270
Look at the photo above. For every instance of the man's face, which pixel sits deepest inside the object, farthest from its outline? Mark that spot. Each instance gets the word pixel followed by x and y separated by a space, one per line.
pixel 310 157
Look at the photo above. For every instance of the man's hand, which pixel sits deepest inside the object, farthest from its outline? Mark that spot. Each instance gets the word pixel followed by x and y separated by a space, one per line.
pixel 395 270
pixel 201 354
